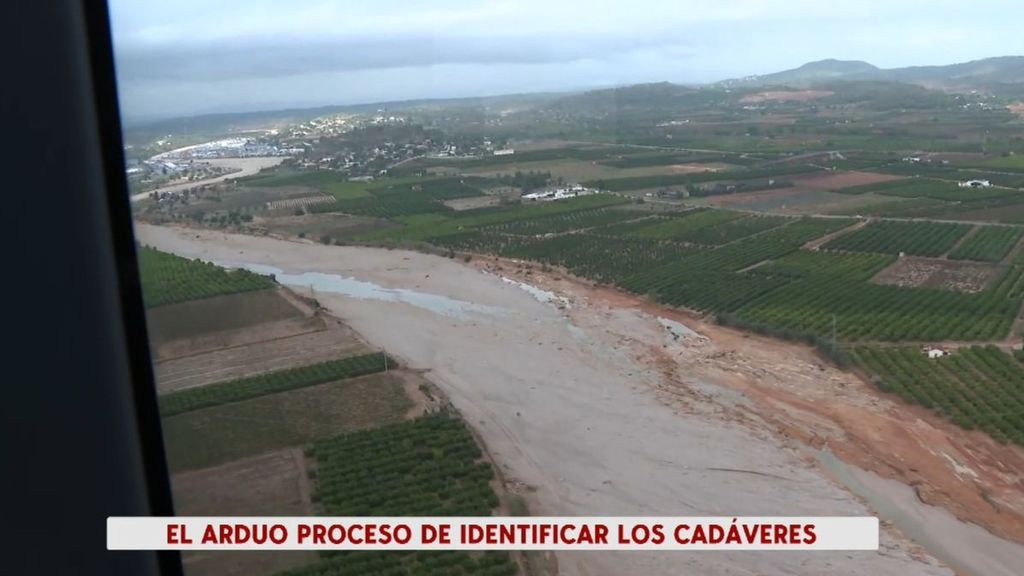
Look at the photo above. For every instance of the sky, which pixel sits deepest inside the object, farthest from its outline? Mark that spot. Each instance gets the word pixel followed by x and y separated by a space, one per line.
pixel 188 57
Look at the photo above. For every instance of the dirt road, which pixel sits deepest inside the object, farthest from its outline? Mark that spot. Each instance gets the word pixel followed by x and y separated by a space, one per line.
pixel 242 167
pixel 596 408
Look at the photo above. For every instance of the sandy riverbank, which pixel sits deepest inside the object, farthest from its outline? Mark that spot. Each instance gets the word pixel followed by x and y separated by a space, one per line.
pixel 598 408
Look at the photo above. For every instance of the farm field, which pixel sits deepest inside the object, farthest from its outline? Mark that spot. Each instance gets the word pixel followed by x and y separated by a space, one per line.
pixel 792 201
pixel 786 291
pixel 845 181
pixel 327 182
pixel 943 190
pixel 868 311
pixel 270 348
pixel 732 230
pixel 169 279
pixel 988 244
pixel 573 170
pixel 292 378
pixel 436 226
pixel 915 238
pixel 226 315
pixel 430 466
pixel 913 272
pixel 392 198
pixel 558 223
pixel 627 183
pixel 977 388
pixel 271 484
pixel 673 227
pixel 219 434
pixel 709 280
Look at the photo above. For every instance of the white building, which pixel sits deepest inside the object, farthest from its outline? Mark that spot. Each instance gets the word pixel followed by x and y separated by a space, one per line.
pixel 560 193
pixel 975 184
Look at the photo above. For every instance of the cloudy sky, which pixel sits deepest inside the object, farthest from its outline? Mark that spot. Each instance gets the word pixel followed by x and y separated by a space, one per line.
pixel 185 57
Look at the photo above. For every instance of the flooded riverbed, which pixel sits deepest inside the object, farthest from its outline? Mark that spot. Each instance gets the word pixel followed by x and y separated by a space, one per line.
pixel 347 286
pixel 967 548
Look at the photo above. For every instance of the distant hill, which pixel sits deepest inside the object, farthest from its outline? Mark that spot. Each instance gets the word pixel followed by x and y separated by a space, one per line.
pixel 220 124
pixel 977 74
pixel 814 72
pixel 1001 70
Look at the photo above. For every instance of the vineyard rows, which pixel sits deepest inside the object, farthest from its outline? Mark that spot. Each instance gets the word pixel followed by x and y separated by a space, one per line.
pixel 271 383
pixel 979 387
pixel 169 279
pixel 988 244
pixel 915 238
pixel 430 466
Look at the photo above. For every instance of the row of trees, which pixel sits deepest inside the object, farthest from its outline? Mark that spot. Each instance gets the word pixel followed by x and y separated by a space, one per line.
pixel 978 387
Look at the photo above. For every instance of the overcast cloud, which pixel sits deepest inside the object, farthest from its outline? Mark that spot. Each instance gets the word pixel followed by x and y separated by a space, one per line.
pixel 187 57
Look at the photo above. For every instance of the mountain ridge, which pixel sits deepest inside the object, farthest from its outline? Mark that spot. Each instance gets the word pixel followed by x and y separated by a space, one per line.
pixel 974 73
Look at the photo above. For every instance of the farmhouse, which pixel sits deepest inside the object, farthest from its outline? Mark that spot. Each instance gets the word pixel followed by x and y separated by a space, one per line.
pixel 975 184
pixel 560 193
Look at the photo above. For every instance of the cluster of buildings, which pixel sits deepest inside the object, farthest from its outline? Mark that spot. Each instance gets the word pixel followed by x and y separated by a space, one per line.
pixel 239 147
pixel 339 124
pixel 571 191
pixel 374 155
pixel 158 170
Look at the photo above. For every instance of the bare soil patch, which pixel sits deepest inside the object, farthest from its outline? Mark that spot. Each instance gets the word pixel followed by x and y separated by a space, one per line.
pixel 220 434
pixel 267 349
pixel 315 226
pixel 958 275
pixel 786 95
pixel 222 321
pixel 694 168
pixel 781 200
pixel 474 202
pixel 272 484
pixel 839 180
